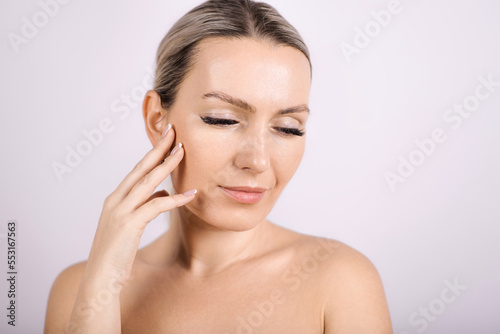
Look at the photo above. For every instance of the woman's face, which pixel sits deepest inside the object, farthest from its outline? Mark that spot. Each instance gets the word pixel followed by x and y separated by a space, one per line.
pixel 261 93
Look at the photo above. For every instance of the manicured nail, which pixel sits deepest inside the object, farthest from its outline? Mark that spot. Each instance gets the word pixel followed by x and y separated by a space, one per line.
pixel 190 192
pixel 176 148
pixel 169 126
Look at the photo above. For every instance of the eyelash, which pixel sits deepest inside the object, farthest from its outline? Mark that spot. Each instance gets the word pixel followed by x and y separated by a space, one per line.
pixel 224 122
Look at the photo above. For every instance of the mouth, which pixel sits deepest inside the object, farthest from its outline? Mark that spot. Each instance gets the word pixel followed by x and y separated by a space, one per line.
pixel 245 194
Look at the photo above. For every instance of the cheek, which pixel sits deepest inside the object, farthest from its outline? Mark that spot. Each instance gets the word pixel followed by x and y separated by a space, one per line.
pixel 204 156
pixel 286 161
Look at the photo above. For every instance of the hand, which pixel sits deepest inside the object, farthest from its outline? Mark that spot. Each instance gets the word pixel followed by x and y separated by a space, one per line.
pixel 130 207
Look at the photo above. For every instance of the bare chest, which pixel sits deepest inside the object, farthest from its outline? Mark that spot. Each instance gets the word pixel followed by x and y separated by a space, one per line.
pixel 238 303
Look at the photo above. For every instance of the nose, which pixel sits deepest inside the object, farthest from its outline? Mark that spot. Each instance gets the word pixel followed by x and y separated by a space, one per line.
pixel 253 152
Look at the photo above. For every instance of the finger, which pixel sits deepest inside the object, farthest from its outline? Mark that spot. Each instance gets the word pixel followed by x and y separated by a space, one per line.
pixel 145 165
pixel 160 193
pixel 153 208
pixel 143 189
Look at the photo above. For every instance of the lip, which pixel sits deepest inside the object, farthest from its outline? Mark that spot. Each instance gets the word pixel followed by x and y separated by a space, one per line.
pixel 245 194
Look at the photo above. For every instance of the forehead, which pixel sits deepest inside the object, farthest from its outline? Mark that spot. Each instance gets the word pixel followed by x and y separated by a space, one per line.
pixel 251 69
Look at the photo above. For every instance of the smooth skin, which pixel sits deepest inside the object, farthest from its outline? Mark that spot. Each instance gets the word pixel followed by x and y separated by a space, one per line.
pixel 222 267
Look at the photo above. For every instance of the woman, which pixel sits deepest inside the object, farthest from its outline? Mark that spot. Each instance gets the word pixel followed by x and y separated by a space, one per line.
pixel 227 120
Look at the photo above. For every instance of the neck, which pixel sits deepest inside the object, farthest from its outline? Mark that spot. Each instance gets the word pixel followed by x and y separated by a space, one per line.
pixel 203 249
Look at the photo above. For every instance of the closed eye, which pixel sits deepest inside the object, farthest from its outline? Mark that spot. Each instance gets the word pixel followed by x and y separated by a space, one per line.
pixel 225 122
pixel 292 131
pixel 218 121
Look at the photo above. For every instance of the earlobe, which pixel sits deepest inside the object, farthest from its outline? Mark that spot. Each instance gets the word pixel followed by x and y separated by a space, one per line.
pixel 155 117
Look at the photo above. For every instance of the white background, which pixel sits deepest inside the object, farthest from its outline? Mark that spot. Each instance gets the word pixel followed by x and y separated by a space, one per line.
pixel 440 224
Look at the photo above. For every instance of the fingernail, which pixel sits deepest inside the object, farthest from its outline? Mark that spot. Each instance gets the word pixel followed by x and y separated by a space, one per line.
pixel 190 192
pixel 169 126
pixel 176 148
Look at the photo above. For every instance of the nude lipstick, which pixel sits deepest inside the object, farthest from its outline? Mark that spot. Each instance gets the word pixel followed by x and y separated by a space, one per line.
pixel 247 195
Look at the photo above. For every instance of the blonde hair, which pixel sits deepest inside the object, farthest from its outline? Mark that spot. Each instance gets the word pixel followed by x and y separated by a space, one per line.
pixel 217 18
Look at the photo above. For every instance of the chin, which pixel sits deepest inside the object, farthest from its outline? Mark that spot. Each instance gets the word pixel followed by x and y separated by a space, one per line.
pixel 234 219
pixel 224 216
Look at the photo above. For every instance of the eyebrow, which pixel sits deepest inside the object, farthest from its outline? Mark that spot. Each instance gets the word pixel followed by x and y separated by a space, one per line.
pixel 246 106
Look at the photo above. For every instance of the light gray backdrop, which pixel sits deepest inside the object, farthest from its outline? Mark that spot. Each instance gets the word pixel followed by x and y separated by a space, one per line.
pixel 401 163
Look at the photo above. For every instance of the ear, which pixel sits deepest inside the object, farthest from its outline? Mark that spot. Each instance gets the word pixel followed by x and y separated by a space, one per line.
pixel 155 117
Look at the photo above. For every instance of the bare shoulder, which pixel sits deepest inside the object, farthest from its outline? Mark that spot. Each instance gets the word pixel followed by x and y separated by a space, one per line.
pixel 336 258
pixel 62 298
pixel 333 259
pixel 327 258
pixel 353 295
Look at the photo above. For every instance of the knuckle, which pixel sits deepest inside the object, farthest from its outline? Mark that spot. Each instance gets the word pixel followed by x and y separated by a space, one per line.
pixel 156 151
pixel 144 179
pixel 157 203
pixel 156 148
pixel 139 166
pixel 110 200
